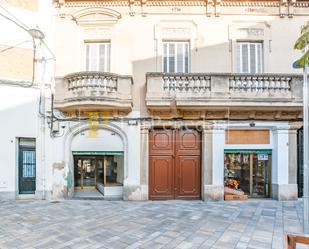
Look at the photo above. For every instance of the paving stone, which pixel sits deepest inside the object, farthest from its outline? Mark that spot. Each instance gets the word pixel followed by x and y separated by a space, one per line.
pixel 88 224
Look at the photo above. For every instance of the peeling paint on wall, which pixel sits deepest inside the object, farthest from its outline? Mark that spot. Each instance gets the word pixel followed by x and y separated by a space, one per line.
pixel 59 189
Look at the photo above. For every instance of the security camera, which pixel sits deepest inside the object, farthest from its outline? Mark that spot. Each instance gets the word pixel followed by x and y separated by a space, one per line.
pixel 252 124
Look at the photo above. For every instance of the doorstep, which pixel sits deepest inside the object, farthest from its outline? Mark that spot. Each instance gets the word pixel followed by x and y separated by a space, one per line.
pixel 25 197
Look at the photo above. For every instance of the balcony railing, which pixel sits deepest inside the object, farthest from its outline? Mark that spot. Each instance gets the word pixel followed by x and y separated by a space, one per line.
pixel 93 91
pixel 101 82
pixel 198 91
pixel 186 83
pixel 260 83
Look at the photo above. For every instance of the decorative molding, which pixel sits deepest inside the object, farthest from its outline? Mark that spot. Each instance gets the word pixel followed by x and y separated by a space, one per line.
pixel 216 8
pixel 96 16
pixel 215 114
pixel 162 3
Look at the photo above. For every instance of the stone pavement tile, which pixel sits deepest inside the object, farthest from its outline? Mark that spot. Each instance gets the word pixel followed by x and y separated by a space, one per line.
pixel 258 244
pixel 241 245
pixel 185 245
pixel 151 244
pixel 170 224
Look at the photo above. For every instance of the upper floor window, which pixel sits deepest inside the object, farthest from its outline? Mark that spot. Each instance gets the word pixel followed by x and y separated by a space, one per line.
pixel 176 56
pixel 98 56
pixel 249 57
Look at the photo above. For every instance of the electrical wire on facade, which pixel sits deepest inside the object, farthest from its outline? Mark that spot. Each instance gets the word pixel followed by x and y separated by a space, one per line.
pixel 24 27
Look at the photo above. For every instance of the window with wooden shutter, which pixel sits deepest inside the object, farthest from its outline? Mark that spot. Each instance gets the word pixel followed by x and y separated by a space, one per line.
pixel 176 57
pixel 98 56
pixel 249 57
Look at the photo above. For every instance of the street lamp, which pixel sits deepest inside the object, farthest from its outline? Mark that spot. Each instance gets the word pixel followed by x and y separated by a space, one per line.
pixel 36 34
pixel 306 146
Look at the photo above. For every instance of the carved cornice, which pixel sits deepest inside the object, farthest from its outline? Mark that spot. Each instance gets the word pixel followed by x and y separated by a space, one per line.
pixel 224 3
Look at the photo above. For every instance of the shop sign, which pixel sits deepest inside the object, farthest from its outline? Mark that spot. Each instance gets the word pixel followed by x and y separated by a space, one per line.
pixel 262 157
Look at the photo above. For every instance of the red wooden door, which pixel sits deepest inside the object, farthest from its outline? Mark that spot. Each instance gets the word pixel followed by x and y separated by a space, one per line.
pixel 174 164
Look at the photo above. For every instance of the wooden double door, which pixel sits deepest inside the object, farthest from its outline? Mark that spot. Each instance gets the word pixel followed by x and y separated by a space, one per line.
pixel 174 164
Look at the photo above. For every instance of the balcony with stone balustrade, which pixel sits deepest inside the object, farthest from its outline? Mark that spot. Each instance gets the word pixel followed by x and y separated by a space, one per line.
pixel 225 96
pixel 79 93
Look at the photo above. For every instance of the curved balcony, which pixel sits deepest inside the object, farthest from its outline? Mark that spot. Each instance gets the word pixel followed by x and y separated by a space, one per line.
pixel 225 95
pixel 94 91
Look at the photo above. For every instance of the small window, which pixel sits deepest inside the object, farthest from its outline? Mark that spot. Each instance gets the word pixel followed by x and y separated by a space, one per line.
pixel 249 57
pixel 98 56
pixel 176 57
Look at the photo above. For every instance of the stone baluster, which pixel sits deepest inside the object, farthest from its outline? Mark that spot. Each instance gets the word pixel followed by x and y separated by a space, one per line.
pixel 272 83
pixel 278 86
pixel 189 83
pixel 254 84
pixel 232 83
pixel 204 80
pixel 165 82
pixel 265 84
pixel 208 83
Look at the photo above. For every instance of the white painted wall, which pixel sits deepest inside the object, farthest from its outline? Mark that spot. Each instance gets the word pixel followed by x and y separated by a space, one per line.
pixel 19 118
pixel 19 106
pixel 280 164
pixel 105 141
pixel 218 156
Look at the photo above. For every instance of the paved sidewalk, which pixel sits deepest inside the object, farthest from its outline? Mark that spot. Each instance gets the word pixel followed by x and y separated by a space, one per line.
pixel 162 224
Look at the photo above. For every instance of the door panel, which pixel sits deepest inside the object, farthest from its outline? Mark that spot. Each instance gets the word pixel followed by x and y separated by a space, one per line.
pixel 161 142
pixel 161 174
pixel 187 174
pixel 188 142
pixel 174 164
pixel 27 168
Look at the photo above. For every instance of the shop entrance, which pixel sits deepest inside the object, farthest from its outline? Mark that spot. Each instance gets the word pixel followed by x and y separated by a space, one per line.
pixel 174 164
pixel 91 171
pixel 248 170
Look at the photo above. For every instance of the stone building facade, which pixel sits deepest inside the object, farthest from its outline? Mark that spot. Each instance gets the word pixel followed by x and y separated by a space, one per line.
pixel 174 99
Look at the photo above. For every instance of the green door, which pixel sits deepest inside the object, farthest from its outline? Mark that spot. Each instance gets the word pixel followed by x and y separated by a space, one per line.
pixel 27 172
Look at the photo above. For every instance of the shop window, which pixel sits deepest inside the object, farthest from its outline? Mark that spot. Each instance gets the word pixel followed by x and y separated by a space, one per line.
pixel 248 171
pixel 176 56
pixel 249 57
pixel 98 56
pixel 101 169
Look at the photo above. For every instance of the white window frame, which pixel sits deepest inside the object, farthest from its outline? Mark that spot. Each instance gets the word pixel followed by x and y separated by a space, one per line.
pixel 95 45
pixel 239 56
pixel 175 42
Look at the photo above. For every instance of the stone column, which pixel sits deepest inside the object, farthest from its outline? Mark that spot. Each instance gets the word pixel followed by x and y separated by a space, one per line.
pixel 293 155
pixel 212 153
pixel 144 160
pixel 282 160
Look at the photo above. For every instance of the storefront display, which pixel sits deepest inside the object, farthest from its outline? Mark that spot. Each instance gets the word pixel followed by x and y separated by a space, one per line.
pixel 248 171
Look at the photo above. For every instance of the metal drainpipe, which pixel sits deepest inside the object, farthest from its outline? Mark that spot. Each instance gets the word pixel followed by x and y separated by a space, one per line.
pixel 41 77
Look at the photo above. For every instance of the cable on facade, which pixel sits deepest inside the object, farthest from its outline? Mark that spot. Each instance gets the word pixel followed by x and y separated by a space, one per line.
pixel 33 41
pixel 14 17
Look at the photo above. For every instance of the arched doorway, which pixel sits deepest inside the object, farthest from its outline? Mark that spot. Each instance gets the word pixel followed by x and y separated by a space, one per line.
pixel 97 162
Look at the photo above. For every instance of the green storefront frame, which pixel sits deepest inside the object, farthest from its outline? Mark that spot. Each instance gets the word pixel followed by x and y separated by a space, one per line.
pixel 97 153
pixel 230 151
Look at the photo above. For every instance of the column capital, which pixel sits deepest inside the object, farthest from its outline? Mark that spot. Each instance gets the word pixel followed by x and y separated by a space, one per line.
pixel 295 125
pixel 145 126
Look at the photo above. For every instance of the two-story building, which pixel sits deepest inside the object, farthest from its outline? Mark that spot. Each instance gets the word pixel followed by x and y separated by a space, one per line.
pixel 155 99
pixel 170 99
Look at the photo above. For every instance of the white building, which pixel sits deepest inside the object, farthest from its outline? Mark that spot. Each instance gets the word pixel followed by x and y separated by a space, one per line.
pixel 166 100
